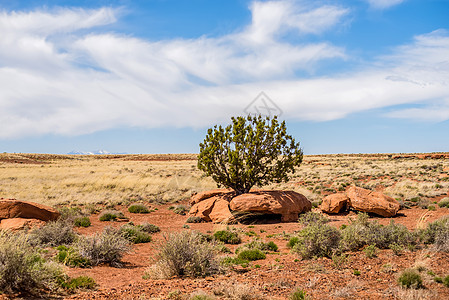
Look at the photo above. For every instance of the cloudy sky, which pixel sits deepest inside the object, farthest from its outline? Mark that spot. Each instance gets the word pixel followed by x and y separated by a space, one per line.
pixel 150 76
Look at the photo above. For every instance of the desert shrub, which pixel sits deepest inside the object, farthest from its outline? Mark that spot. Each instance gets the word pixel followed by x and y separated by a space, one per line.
pixel 227 236
pixel 138 209
pixel 194 219
pixel 250 151
pixel 298 294
pixel 444 202
pixel 186 254
pixel 82 222
pixel 70 213
pixel 80 282
pixel 446 281
pixel 200 295
pixel 22 269
pixel 150 228
pixel 410 278
pixel 362 232
pixel 106 247
pixel 371 251
pixel 237 291
pixel 251 254
pixel 310 218
pixel 292 241
pixel 135 234
pixel 228 261
pixel 436 230
pixel 181 209
pixel 258 244
pixel 54 233
pixel 111 215
pixel 317 241
pixel 70 256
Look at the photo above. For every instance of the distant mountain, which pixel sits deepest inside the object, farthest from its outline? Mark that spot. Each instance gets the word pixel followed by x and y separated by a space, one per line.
pixel 96 152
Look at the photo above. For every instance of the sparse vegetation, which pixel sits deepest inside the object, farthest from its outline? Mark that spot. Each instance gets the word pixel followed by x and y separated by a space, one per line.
pixel 227 236
pixel 135 234
pixel 105 247
pixel 185 253
pixel 111 215
pixel 410 278
pixel 138 208
pixel 54 233
pixel 23 269
pixel 251 254
pixel 317 240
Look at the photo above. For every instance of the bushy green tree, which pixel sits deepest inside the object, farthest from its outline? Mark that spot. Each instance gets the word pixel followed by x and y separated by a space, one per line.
pixel 252 151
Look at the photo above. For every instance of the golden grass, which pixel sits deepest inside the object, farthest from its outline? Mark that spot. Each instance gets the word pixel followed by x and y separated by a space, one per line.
pixel 123 179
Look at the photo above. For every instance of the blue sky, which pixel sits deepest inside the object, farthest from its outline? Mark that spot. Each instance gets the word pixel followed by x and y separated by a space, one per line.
pixel 360 76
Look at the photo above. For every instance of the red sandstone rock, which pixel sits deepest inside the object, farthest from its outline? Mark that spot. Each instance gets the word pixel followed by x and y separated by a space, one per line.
pixel 208 194
pixel 334 203
pixel 215 209
pixel 20 223
pixel 372 202
pixel 289 204
pixel 11 208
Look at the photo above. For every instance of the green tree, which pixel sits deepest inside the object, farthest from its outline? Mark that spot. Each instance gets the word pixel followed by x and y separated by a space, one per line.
pixel 252 151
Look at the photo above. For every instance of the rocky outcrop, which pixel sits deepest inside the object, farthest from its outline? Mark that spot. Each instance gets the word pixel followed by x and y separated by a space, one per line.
pixel 217 205
pixel 11 208
pixel 372 202
pixel 288 204
pixel 20 223
pixel 361 200
pixel 214 209
pixel 333 204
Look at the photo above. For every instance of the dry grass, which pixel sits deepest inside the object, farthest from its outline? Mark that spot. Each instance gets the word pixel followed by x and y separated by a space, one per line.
pixel 125 179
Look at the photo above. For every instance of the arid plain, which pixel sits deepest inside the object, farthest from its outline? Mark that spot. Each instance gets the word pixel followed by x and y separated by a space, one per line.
pixel 166 182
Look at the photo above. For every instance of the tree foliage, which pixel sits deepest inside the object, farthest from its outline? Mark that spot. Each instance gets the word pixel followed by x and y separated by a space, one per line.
pixel 252 151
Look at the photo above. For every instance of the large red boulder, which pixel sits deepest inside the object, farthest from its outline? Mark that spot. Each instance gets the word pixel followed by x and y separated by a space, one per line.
pixel 208 194
pixel 333 204
pixel 288 204
pixel 20 223
pixel 214 209
pixel 372 202
pixel 11 208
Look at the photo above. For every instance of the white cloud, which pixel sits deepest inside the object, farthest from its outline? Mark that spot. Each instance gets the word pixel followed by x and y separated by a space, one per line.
pixel 59 80
pixel 383 4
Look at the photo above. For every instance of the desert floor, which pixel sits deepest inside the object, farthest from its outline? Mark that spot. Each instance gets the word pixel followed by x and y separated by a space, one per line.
pixel 94 183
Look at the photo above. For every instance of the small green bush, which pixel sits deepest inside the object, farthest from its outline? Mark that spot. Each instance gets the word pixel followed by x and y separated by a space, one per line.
pixel 444 202
pixel 135 234
pixel 80 282
pixel 317 241
pixel 138 209
pixel 292 241
pixel 82 222
pixel 185 253
pixel 181 209
pixel 362 232
pixel 111 215
pixel 54 233
pixel 22 269
pixel 106 247
pixel 150 228
pixel 194 219
pixel 251 254
pixel 70 256
pixel 227 261
pixel 227 237
pixel 298 294
pixel 258 244
pixel 446 281
pixel 311 218
pixel 371 251
pixel 436 232
pixel 410 278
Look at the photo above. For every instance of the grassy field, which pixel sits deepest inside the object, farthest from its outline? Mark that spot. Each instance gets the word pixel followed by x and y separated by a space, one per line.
pixel 122 179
